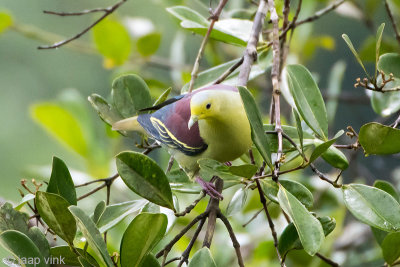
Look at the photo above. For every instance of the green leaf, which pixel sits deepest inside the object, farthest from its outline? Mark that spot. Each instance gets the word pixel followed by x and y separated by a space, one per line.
pixel 23 248
pixel 113 214
pixel 335 158
pixel 11 219
pixel 299 128
pixel 270 189
pixel 54 211
pixel 98 211
pixel 202 258
pixel 142 234
pixel 308 99
pixel 350 45
pixel 163 97
pixel 368 48
pixel 150 261
pixel 24 200
pixel 130 94
pixel 148 44
pixel 40 240
pixel 144 177
pixel 69 257
pixel 232 31
pixel 388 188
pixel 211 167
pixel 379 139
pixel 310 230
pixel 107 112
pixel 62 125
pixel 289 238
pixel 237 202
pixel 391 247
pixel 379 34
pixel 92 234
pixel 378 234
pixel 245 170
pixel 372 206
pixel 388 103
pixel 5 21
pixel 112 41
pixel 390 63
pixel 334 88
pixel 209 76
pixel 61 182
pixel 322 147
pixel 258 136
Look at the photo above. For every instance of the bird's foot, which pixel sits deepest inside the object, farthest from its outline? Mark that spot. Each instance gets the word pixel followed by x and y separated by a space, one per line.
pixel 209 188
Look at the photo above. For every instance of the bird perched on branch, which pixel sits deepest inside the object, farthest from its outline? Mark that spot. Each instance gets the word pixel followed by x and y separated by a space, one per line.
pixel 207 123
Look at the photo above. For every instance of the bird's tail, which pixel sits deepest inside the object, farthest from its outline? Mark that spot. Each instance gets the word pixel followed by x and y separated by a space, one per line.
pixel 129 124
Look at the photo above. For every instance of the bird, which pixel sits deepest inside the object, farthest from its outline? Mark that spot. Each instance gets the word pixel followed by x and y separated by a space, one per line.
pixel 209 122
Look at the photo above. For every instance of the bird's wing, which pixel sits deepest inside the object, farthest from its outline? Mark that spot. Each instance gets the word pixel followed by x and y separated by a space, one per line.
pixel 169 125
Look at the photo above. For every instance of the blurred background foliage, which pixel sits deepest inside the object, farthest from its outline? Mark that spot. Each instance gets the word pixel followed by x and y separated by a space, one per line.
pixel 45 112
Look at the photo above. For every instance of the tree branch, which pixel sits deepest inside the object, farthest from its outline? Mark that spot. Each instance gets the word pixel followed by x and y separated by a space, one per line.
pixel 213 207
pixel 250 54
pixel 320 13
pixel 393 21
pixel 189 208
pixel 107 12
pixel 327 260
pixel 214 18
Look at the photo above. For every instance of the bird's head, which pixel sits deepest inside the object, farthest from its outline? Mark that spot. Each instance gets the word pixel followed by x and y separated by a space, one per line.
pixel 206 105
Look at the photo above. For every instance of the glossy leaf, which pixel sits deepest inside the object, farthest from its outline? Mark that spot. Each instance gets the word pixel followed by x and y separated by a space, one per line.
pixel 299 128
pixel 308 99
pixel 92 234
pixel 112 41
pixel 390 63
pixel 113 214
pixel 24 200
pixel 211 167
pixel 185 13
pixel 54 211
pixel 107 112
pixel 5 21
pixel 11 219
pixel 372 206
pixel 310 230
pixel 61 124
pixel 150 261
pixel 98 211
pixel 40 240
pixel 379 139
pixel 350 45
pixel 379 34
pixel 20 246
pixel 148 44
pixel 163 97
pixel 237 202
pixel 322 147
pixel 270 189
pixel 142 234
pixel 144 177
pixel 388 103
pixel 388 188
pixel 245 170
pixel 202 258
pixel 258 136
pixel 289 239
pixel 61 182
pixel 335 158
pixel 391 247
pixel 69 257
pixel 130 94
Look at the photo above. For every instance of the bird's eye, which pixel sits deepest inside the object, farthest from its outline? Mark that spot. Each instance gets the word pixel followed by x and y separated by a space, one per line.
pixel 208 106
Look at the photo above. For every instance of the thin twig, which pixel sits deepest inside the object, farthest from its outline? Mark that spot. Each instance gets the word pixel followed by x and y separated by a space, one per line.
pixel 324 177
pixel 254 216
pixel 327 260
pixel 235 243
pixel 320 13
pixel 214 18
pixel 189 208
pixel 92 192
pixel 396 122
pixel 98 180
pixel 228 72
pixel 186 253
pixel 250 54
pixel 108 11
pixel 172 260
pixel 170 163
pixel 213 207
pixel 393 21
pixel 270 222
pixel 79 13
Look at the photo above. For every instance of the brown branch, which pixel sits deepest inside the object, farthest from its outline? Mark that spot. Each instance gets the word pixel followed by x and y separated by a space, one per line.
pixel 115 176
pixel 92 192
pixel 325 178
pixel 79 13
pixel 228 72
pixel 235 243
pixel 107 12
pixel 170 163
pixel 189 208
pixel 270 222
pixel 320 13
pixel 254 216
pixel 393 21
pixel 214 18
pixel 250 54
pixel 213 207
pixel 327 260
pixel 396 122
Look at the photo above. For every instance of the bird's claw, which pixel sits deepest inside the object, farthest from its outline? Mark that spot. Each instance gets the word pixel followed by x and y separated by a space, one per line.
pixel 209 189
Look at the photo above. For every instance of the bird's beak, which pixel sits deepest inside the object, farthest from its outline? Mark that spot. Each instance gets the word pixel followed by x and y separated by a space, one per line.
pixel 192 121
